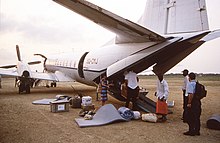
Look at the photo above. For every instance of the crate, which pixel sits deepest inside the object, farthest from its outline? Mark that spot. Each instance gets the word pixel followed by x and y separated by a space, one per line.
pixel 75 102
pixel 59 106
pixel 88 107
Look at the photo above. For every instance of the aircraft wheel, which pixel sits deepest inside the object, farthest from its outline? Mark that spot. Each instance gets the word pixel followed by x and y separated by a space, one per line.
pixel 53 84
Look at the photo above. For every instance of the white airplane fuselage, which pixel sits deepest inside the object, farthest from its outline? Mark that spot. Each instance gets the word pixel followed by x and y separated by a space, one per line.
pixel 95 62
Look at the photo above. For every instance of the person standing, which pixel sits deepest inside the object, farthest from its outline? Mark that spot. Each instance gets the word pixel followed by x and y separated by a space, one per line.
pixel 185 96
pixel 98 88
pixel 193 108
pixel 131 81
pixel 162 95
pixel 104 89
pixel 0 81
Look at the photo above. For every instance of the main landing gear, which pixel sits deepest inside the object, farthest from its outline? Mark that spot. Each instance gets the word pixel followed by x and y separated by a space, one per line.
pixel 24 86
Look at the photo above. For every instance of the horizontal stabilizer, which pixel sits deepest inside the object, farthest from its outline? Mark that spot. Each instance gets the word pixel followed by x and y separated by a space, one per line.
pixel 211 36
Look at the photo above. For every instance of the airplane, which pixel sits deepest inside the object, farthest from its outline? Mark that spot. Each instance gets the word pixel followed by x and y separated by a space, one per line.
pixel 166 33
pixel 24 77
pixel 22 73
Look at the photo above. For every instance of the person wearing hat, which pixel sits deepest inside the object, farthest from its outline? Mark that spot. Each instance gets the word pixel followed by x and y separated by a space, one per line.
pixel 185 96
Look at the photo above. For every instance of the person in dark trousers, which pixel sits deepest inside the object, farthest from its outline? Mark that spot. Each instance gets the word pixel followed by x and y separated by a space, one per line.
pixel 0 81
pixel 131 81
pixel 185 96
pixel 193 108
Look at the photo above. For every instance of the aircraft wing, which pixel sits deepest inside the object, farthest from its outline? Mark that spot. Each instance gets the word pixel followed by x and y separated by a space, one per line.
pixel 57 76
pixel 127 31
pixel 9 72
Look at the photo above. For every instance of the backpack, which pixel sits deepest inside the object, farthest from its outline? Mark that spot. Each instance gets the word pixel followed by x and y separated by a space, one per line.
pixel 200 91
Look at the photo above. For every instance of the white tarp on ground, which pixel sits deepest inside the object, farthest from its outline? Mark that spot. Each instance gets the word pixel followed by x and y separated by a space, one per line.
pixel 60 98
pixel 105 115
pixel 43 101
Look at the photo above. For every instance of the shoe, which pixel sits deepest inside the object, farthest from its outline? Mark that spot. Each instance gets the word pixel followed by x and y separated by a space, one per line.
pixel 161 118
pixel 164 118
pixel 188 133
pixel 197 134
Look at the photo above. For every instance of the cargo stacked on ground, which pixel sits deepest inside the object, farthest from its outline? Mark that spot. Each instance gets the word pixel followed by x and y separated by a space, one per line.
pixel 87 106
pixel 61 104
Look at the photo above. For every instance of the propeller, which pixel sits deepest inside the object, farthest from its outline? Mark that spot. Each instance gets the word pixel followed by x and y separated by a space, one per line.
pixel 8 66
pixel 19 59
pixel 18 53
pixel 34 62
pixel 45 59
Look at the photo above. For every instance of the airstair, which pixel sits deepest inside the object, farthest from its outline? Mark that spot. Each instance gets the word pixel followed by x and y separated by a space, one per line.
pixel 143 102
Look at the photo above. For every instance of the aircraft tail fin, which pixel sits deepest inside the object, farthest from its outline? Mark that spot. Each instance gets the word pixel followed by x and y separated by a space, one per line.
pixel 175 16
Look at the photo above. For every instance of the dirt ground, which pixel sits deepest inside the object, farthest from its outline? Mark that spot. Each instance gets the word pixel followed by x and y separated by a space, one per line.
pixel 23 122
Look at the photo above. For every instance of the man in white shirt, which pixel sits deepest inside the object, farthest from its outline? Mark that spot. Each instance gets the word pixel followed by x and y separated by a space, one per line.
pixel 185 96
pixel 162 95
pixel 131 81
pixel 193 108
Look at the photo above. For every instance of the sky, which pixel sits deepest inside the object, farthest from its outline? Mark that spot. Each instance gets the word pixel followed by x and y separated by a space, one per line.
pixel 43 26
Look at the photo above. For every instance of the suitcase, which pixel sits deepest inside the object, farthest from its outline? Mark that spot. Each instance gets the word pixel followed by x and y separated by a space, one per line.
pixel 76 102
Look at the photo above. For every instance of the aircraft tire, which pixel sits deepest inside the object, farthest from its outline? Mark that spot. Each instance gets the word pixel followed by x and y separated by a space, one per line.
pixel 53 84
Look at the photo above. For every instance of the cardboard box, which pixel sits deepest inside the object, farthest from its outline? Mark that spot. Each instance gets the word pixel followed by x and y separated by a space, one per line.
pixel 88 107
pixel 59 106
pixel 86 100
